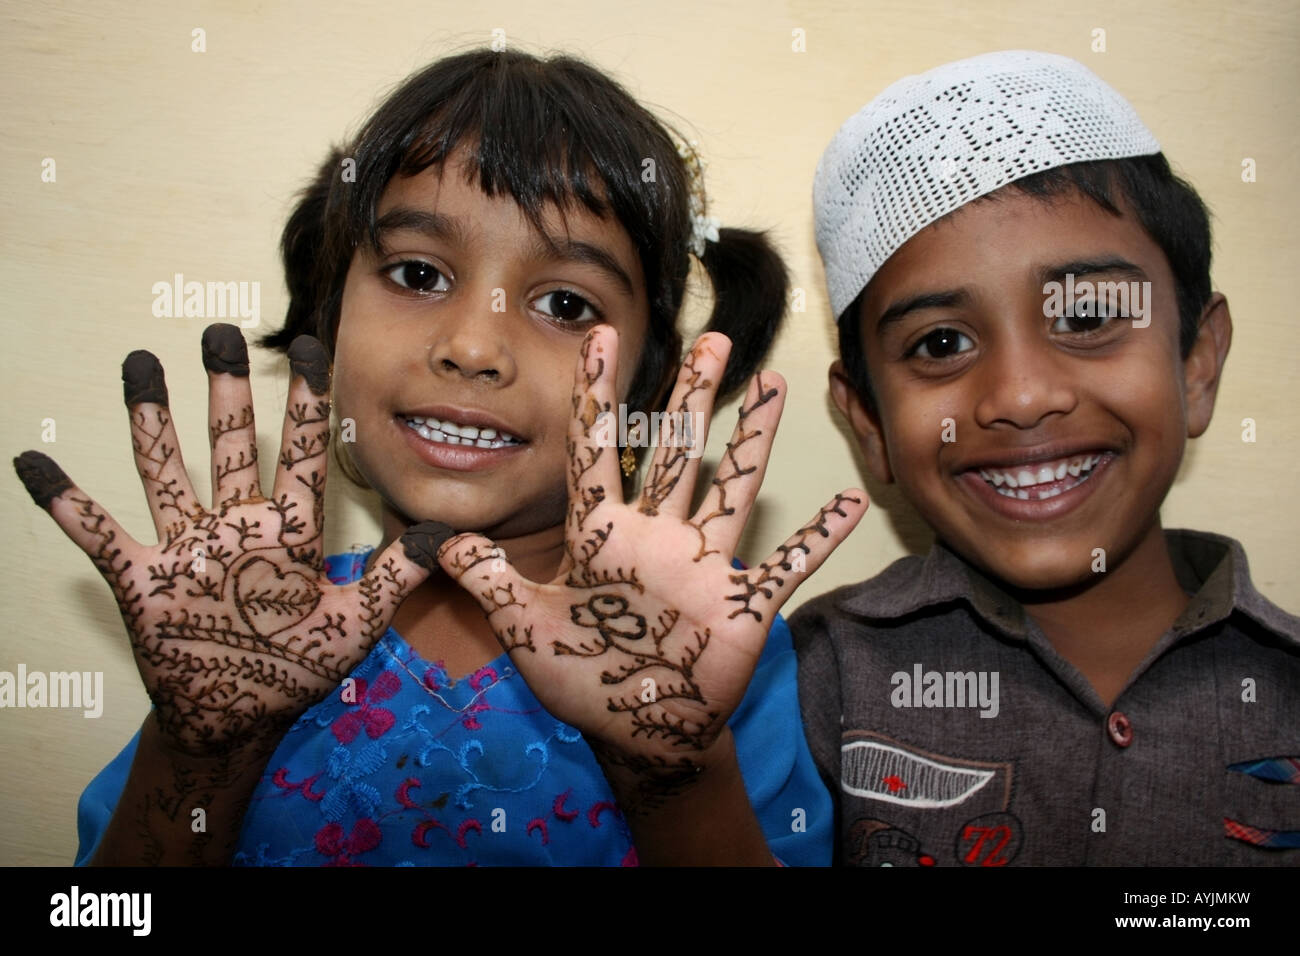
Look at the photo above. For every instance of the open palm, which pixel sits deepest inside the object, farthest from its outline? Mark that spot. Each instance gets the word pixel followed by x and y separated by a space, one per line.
pixel 648 637
pixel 235 628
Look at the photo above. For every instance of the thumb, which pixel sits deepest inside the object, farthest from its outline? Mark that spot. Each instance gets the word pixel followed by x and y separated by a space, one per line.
pixel 483 570
pixel 401 568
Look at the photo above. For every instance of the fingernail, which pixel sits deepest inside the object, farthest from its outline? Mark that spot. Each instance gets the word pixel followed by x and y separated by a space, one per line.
pixel 142 379
pixel 43 479
pixel 421 542
pixel 307 358
pixel 224 349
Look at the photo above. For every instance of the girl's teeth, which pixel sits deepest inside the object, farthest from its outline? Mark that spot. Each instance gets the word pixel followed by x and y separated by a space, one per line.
pixel 449 433
pixel 1045 474
pixel 1025 477
pixel 1075 467
pixel 1060 470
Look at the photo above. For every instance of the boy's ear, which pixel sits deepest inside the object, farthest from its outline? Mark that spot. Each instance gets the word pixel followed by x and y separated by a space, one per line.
pixel 1203 366
pixel 864 422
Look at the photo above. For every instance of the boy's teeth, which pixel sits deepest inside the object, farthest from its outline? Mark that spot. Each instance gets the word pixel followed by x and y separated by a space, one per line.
pixel 1022 482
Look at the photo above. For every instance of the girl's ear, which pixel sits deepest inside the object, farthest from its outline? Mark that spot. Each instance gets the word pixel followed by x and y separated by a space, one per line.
pixel 864 421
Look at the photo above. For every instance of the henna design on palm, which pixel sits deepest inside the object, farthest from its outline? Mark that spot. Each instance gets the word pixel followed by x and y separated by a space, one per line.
pixel 642 608
pixel 234 626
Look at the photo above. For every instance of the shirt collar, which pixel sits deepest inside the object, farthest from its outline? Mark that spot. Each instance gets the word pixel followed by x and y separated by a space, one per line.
pixel 1211 567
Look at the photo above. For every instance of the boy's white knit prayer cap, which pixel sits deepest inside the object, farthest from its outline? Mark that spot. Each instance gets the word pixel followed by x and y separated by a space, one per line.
pixel 931 143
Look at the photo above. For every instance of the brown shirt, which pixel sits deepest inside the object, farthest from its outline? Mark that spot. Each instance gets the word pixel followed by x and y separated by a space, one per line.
pixel 950 732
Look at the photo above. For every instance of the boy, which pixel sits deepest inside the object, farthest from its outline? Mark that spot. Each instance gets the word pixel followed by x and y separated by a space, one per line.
pixel 1027 337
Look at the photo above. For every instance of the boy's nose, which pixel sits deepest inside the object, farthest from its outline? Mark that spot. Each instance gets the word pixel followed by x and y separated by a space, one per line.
pixel 1022 383
pixel 473 345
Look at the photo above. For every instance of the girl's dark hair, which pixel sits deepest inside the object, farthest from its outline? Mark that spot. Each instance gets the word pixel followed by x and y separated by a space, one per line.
pixel 1168 208
pixel 542 131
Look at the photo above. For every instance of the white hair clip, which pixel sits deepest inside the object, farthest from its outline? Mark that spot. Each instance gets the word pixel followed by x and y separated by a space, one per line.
pixel 703 228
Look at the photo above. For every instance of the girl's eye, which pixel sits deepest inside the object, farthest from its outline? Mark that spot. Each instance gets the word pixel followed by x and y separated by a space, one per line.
pixel 941 343
pixel 1082 317
pixel 565 305
pixel 418 276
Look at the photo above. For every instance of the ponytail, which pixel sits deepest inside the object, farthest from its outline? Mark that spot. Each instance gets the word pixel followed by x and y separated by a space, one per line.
pixel 313 297
pixel 750 285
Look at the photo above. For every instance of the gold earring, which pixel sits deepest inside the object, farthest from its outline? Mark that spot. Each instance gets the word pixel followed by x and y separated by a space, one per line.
pixel 627 461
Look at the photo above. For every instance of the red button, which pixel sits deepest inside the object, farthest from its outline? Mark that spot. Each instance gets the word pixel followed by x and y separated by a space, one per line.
pixel 1120 729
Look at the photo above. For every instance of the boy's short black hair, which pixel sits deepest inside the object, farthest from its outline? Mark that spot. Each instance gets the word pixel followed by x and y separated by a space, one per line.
pixel 1167 207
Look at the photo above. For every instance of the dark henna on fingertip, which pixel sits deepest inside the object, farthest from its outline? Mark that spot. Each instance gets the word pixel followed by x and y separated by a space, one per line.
pixel 307 358
pixel 43 479
pixel 224 350
pixel 142 379
pixel 422 542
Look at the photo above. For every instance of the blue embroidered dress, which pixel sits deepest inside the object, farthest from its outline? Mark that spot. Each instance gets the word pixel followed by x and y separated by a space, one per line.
pixel 420 769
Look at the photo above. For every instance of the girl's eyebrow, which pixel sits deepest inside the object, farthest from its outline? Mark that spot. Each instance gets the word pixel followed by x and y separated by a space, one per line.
pixel 545 247
pixel 555 248
pixel 404 218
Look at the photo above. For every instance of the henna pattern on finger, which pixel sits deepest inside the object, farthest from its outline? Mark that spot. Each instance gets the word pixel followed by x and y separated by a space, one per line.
pixel 670 465
pixel 224 350
pixel 157 455
pixel 500 597
pixel 234 422
pixel 731 468
pixel 307 357
pixel 142 380
pixel 767 577
pixel 421 542
pixel 43 479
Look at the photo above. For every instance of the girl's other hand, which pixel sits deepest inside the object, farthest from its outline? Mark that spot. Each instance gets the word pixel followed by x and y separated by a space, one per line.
pixel 235 628
pixel 648 636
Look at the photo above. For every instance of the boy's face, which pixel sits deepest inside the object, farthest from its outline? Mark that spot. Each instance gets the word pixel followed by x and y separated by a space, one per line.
pixel 979 379
pixel 469 321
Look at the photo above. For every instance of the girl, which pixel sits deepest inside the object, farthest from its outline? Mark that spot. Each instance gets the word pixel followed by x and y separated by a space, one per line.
pixel 499 220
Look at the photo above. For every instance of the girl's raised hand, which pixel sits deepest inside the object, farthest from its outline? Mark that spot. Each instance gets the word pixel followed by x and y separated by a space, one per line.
pixel 648 637
pixel 235 628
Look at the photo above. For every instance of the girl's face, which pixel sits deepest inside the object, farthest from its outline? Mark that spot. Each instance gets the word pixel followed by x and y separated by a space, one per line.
pixel 457 346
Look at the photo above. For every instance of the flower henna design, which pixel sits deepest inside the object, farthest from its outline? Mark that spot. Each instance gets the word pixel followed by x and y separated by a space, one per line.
pixel 623 631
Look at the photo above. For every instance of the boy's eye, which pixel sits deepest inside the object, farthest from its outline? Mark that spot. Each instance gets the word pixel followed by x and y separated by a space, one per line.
pixel 418 276
pixel 941 343
pixel 565 305
pixel 1083 316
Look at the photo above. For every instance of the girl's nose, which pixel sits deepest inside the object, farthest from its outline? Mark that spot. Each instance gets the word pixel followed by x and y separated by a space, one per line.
pixel 473 345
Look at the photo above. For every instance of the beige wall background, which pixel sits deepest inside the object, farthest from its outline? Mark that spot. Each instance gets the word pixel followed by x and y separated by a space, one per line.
pixel 173 161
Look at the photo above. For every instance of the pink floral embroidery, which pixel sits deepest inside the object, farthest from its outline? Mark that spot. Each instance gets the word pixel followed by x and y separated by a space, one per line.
pixel 331 842
pixel 281 780
pixel 377 721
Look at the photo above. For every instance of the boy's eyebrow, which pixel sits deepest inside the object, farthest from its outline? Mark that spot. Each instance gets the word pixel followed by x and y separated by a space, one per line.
pixel 432 224
pixel 1053 273
pixel 926 300
pixel 575 250
pixel 1084 267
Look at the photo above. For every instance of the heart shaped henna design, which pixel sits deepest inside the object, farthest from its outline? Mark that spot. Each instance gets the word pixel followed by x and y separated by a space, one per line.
pixel 270 600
